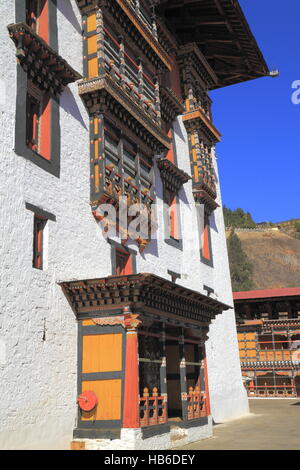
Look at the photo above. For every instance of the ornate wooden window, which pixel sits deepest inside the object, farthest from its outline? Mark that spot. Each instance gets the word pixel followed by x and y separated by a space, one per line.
pixel 38 242
pixel 128 170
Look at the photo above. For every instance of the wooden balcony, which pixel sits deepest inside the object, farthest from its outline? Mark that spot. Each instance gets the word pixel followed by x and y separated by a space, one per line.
pixel 110 92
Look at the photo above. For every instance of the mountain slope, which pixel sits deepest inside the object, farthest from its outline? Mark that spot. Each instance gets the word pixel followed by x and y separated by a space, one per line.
pixel 275 257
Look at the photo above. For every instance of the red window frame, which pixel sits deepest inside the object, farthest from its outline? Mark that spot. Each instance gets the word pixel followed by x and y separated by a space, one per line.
pixel 38 121
pixel 123 263
pixel 173 216
pixel 206 240
pixel 33 119
pixel 37 17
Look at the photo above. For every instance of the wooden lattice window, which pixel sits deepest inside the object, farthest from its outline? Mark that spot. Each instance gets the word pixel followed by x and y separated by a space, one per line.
pixel 38 242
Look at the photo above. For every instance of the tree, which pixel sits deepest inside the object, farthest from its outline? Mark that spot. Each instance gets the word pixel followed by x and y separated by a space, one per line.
pixel 241 270
pixel 238 218
pixel 297 226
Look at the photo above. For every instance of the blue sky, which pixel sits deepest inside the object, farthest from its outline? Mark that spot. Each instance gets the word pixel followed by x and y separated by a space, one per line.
pixel 259 161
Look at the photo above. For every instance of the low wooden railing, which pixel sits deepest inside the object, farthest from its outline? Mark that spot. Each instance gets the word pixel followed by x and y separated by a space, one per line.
pixel 153 409
pixel 196 403
pixel 271 390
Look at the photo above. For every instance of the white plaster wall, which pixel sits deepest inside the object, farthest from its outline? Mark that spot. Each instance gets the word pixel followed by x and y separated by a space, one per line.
pixel 228 396
pixel 38 377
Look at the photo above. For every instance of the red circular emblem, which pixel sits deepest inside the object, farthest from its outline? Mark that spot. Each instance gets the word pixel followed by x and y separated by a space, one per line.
pixel 87 401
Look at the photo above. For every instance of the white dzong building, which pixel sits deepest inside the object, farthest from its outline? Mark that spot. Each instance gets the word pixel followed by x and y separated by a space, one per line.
pixel 116 341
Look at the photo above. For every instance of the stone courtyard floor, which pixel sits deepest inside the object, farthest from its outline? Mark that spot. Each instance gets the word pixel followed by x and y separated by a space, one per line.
pixel 272 425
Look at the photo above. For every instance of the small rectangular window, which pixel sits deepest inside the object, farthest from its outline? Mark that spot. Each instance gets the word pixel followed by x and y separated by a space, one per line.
pixel 32 124
pixel 31 13
pixel 37 17
pixel 38 121
pixel 123 263
pixel 174 218
pixel 38 242
pixel 206 253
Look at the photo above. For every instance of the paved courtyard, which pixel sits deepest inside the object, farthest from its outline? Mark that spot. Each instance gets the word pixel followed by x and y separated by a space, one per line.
pixel 272 424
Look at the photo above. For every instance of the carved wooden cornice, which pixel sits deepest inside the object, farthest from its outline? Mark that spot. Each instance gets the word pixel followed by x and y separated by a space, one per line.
pixel 173 178
pixel 85 6
pixel 100 94
pixel 204 195
pixel 165 37
pixel 140 292
pixel 170 104
pixel 128 321
pixel 195 120
pixel 44 66
pixel 190 55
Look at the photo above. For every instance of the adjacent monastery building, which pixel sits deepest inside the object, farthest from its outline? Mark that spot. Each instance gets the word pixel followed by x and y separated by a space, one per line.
pixel 116 325
pixel 269 341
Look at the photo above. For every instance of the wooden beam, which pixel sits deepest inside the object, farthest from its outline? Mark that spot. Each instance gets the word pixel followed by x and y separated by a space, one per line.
pixel 195 21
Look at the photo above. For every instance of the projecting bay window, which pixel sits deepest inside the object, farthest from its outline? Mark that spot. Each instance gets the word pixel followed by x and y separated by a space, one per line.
pixel 126 172
pixel 127 168
pixel 118 60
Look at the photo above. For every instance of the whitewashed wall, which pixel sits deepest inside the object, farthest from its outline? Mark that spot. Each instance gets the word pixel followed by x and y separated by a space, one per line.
pixel 37 327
